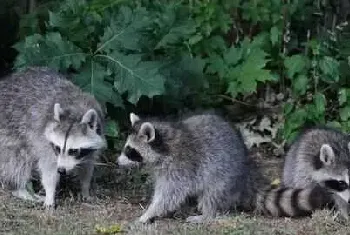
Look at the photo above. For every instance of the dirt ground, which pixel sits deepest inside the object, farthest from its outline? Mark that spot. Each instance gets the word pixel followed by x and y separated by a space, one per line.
pixel 119 198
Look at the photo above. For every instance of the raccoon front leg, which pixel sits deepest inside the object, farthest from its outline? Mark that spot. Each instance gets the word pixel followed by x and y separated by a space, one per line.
pixel 207 205
pixel 85 175
pixel 342 206
pixel 167 198
pixel 49 180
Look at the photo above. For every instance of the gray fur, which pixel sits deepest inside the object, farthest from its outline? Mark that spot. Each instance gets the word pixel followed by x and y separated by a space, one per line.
pixel 201 156
pixel 39 106
pixel 304 164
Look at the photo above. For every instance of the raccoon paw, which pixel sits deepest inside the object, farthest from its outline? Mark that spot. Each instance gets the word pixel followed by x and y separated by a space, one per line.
pixel 25 195
pixel 49 206
pixel 145 219
pixel 135 225
pixel 197 219
pixel 85 198
pixel 340 216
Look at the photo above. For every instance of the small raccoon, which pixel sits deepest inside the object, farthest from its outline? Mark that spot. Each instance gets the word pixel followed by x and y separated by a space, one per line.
pixel 321 156
pixel 48 125
pixel 203 156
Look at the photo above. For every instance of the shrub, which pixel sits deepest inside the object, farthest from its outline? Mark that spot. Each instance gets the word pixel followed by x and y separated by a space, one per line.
pixel 175 54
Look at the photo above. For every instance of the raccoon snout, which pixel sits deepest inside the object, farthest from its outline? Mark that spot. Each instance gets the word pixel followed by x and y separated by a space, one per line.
pixel 62 171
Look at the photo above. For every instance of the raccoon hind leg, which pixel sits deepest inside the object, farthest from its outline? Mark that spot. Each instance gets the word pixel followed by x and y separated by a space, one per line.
pixel 214 199
pixel 168 196
pixel 17 171
pixel 208 205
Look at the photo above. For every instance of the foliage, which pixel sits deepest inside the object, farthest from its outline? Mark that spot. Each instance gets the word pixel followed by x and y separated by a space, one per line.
pixel 180 54
pixel 242 67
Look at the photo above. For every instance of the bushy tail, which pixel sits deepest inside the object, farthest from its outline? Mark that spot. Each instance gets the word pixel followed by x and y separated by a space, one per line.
pixel 292 202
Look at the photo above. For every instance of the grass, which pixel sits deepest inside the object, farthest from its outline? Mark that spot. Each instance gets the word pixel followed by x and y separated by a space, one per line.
pixel 119 199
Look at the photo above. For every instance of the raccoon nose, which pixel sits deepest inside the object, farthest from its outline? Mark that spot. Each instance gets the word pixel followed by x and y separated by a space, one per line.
pixel 61 171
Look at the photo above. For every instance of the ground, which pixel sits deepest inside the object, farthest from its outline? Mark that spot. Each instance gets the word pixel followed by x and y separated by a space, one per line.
pixel 119 203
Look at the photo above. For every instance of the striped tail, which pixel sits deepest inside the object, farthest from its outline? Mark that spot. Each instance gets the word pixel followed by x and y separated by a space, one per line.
pixel 292 202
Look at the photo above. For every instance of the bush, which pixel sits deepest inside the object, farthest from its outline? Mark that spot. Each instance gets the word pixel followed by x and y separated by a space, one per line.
pixel 175 54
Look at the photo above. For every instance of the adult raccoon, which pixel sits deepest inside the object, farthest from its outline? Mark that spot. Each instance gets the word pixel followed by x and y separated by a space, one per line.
pixel 49 124
pixel 204 156
pixel 321 156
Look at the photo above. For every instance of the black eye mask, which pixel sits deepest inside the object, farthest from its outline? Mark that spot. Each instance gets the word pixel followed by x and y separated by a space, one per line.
pixel 80 153
pixel 56 149
pixel 337 185
pixel 132 154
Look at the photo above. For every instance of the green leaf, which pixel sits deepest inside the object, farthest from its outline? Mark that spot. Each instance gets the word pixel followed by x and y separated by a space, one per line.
pixel 112 129
pixel 248 85
pixel 251 71
pixel 295 64
pixel 92 79
pixel 213 44
pixel 293 122
pixel 343 96
pixel 330 68
pixel 50 50
pixel 233 89
pixel 59 21
pixel 300 84
pixel 297 118
pixel 274 35
pixel 256 58
pixel 247 73
pixel 288 107
pixel 258 42
pixel 344 113
pixel 334 124
pixel 75 23
pixel 195 39
pixel 134 76
pixel 217 66
pixel 178 34
pixel 125 31
pixel 233 55
pixel 320 103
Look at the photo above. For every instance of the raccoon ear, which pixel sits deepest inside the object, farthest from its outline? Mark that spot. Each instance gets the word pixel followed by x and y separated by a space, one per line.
pixel 57 112
pixel 147 129
pixel 134 118
pixel 326 154
pixel 90 118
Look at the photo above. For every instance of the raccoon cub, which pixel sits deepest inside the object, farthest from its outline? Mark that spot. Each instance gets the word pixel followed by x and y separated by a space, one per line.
pixel 47 124
pixel 203 156
pixel 321 156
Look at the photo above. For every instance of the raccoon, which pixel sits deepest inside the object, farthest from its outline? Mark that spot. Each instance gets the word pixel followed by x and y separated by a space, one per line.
pixel 203 156
pixel 47 125
pixel 321 156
